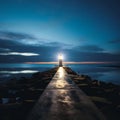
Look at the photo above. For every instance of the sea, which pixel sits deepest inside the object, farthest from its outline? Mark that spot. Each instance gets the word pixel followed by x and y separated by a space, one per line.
pixel 101 72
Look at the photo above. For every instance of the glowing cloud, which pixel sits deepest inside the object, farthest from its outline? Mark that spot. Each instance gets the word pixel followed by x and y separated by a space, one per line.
pixel 21 54
pixel 18 72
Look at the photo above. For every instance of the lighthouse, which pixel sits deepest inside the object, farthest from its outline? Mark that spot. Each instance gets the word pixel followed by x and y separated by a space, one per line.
pixel 60 57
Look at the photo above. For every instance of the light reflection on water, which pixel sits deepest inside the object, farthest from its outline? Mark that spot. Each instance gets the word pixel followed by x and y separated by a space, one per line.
pixel 23 65
pixel 99 72
pixel 9 71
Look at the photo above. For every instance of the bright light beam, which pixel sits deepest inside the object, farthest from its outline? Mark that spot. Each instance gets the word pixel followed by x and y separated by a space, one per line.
pixel 60 56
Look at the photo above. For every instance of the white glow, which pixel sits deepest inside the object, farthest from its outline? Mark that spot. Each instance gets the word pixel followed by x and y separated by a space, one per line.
pixel 18 53
pixel 60 83
pixel 61 72
pixel 17 72
pixel 60 56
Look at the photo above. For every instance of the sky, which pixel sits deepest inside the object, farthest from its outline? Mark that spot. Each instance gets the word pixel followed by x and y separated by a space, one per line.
pixel 38 30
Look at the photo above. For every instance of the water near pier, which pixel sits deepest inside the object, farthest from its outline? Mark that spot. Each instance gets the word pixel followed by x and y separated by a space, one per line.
pixel 96 71
pixel 105 73
pixel 9 71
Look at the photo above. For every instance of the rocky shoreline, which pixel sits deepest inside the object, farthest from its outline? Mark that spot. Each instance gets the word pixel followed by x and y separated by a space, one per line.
pixel 106 96
pixel 17 97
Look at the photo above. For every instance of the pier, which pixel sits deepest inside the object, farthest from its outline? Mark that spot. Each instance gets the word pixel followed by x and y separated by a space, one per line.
pixel 63 100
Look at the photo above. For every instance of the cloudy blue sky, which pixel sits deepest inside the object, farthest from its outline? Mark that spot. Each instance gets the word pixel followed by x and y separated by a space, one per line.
pixel 38 30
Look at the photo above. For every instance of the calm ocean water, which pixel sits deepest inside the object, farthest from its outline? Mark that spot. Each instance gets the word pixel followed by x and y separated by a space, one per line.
pixel 96 71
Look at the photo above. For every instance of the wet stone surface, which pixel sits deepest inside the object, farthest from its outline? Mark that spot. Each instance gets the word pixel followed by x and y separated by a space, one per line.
pixel 63 100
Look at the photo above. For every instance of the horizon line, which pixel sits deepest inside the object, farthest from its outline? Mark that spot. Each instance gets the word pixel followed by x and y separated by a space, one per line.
pixel 71 62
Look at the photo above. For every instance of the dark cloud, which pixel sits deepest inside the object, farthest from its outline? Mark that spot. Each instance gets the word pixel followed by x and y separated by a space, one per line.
pixel 21 38
pixel 4 49
pixel 89 48
pixel 47 51
pixel 15 36
pixel 8 44
pixel 21 42
pixel 25 39
pixel 59 45
pixel 73 55
pixel 116 41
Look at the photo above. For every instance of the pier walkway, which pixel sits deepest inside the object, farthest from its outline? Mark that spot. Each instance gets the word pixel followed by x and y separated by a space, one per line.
pixel 63 100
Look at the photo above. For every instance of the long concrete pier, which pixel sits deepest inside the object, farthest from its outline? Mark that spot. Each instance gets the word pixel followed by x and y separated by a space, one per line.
pixel 63 100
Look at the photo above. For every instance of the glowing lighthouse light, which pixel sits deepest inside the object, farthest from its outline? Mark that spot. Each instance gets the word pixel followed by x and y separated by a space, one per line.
pixel 60 57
